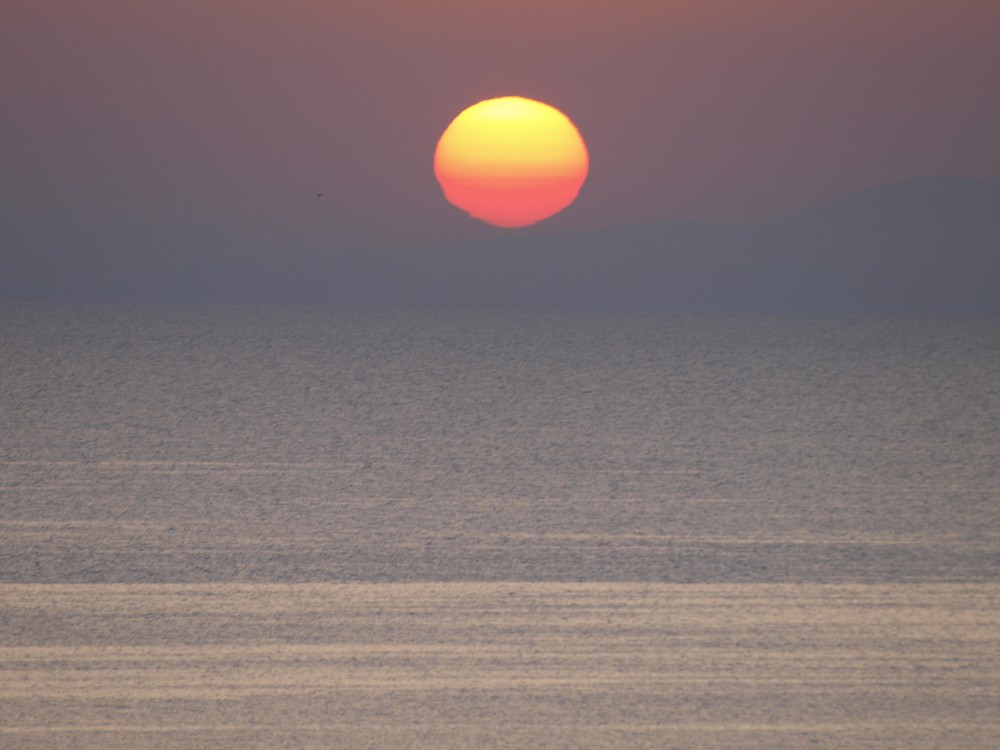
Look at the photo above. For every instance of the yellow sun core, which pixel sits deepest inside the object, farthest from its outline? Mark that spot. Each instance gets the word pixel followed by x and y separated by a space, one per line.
pixel 511 161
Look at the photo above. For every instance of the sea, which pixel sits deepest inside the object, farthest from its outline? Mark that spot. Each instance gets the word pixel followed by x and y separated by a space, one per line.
pixel 237 527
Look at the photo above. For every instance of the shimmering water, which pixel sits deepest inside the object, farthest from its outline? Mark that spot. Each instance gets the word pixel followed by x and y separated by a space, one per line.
pixel 268 527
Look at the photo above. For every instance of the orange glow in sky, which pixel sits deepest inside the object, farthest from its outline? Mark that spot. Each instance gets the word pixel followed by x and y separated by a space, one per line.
pixel 511 161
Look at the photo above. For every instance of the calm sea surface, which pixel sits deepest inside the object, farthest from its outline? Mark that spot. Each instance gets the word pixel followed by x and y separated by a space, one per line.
pixel 307 528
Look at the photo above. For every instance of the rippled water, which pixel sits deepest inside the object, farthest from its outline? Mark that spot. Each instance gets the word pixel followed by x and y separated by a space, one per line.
pixel 278 527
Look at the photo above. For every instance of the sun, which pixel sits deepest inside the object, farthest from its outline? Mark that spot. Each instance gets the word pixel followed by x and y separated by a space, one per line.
pixel 511 161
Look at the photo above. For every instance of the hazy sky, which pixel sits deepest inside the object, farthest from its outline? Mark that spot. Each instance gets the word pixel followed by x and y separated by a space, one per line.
pixel 225 119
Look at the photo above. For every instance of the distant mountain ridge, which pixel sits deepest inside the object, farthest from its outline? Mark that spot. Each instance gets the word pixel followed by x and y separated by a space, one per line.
pixel 922 246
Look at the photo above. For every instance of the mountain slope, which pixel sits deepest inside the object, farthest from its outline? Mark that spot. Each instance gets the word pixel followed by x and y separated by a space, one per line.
pixel 922 246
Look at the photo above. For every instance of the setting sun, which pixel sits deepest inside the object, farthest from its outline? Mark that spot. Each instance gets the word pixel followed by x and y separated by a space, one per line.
pixel 511 161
